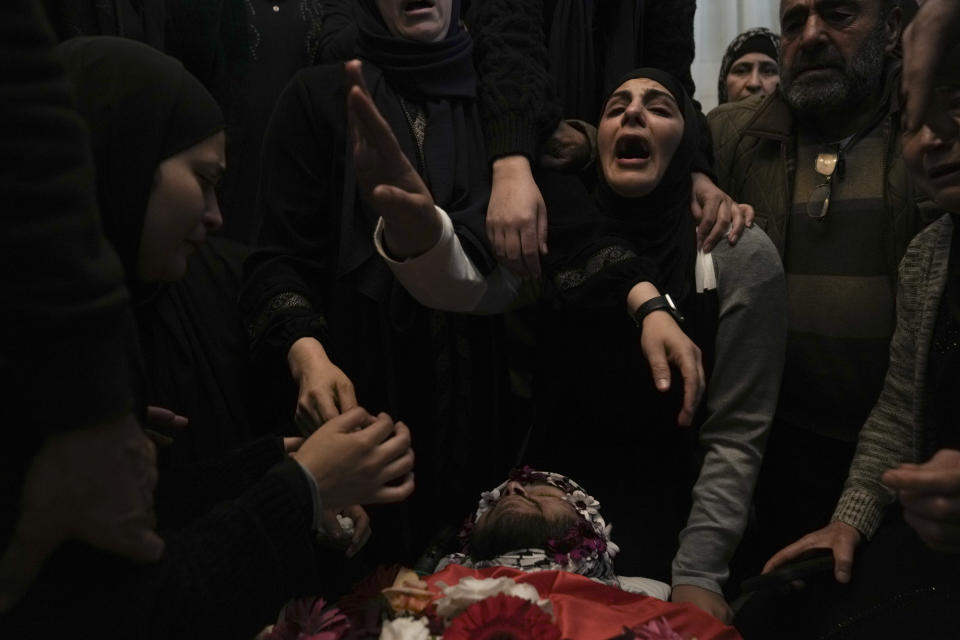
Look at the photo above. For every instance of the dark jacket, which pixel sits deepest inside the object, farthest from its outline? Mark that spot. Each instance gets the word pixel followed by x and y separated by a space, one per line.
pixel 754 145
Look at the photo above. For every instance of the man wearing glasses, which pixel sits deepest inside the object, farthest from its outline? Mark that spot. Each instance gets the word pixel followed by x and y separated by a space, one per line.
pixel 820 162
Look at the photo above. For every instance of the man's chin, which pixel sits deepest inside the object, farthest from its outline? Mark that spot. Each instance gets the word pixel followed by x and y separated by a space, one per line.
pixel 816 94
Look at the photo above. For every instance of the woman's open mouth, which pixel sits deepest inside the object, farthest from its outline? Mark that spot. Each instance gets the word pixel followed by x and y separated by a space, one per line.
pixel 632 150
pixel 418 6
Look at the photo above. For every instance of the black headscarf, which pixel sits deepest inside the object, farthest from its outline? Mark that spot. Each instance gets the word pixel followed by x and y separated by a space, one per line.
pixel 660 224
pixel 440 78
pixel 142 107
pixel 757 40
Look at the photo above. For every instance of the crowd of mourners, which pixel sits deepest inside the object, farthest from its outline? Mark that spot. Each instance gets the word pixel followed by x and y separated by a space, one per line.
pixel 287 284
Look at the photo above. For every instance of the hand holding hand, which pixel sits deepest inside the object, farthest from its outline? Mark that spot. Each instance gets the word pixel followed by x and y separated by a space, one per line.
pixel 838 537
pixel 716 213
pixel 355 455
pixel 516 217
pixel 325 390
pixel 94 485
pixel 567 148
pixel 930 495
pixel 386 179
pixel 712 603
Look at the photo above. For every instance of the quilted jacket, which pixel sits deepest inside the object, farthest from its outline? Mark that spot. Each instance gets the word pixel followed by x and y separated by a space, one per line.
pixel 754 144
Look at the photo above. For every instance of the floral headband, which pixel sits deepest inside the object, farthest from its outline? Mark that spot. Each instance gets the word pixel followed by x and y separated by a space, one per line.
pixel 586 549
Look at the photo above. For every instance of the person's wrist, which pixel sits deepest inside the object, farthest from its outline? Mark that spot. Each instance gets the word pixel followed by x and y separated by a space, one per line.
pixel 654 305
pixel 508 165
pixel 302 353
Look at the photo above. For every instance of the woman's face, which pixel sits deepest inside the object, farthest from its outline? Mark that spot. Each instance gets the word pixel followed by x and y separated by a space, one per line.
pixel 752 74
pixel 932 153
pixel 640 130
pixel 422 20
pixel 181 210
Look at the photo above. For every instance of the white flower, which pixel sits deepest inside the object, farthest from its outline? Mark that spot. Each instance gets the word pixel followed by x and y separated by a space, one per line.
pixel 583 502
pixel 405 629
pixel 470 590
pixel 612 547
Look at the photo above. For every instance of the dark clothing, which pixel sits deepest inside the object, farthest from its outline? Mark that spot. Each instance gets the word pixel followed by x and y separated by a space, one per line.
pixel 142 20
pixel 63 364
pixel 223 576
pixel 317 272
pixel 196 351
pixel 245 53
pixel 260 534
pixel 529 51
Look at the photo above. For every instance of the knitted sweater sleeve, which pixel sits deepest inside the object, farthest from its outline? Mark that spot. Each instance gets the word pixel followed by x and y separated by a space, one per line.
pixel 888 438
pixel 741 400
pixel 516 92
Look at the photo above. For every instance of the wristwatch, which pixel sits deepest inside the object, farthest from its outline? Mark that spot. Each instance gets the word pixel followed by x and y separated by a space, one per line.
pixel 659 303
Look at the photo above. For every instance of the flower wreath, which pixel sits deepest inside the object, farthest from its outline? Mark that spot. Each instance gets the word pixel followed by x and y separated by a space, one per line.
pixel 586 549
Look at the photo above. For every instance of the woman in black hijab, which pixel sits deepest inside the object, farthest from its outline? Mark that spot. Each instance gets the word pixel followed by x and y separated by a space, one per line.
pixel 662 481
pixel 321 304
pixel 158 148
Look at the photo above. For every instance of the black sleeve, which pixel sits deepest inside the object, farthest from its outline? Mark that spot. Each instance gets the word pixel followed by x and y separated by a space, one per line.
pixel 668 44
pixel 588 266
pixel 338 37
pixel 283 293
pixel 65 309
pixel 516 92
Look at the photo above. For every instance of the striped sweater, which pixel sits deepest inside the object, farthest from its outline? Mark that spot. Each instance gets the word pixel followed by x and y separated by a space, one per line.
pixel 893 434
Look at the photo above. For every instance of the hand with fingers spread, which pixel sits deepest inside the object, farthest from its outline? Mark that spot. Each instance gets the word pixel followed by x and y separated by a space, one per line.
pixel 387 181
pixel 94 485
pixel 356 457
pixel 930 495
pixel 839 537
pixel 664 343
pixel 934 29
pixel 712 603
pixel 716 213
pixel 567 149
pixel 516 217
pixel 325 390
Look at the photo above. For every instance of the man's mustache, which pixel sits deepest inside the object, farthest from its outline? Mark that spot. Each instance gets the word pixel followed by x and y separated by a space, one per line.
pixel 822 59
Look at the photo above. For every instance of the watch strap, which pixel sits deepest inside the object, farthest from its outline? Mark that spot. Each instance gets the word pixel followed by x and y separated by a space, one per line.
pixel 657 303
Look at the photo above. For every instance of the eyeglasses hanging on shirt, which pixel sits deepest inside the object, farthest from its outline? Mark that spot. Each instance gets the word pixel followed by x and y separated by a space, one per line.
pixel 830 165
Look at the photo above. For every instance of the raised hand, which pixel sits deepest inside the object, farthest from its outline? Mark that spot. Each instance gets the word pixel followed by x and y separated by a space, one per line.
pixel 385 177
pixel 934 29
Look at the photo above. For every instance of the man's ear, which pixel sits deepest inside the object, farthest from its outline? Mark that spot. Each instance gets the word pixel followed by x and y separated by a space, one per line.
pixel 894 29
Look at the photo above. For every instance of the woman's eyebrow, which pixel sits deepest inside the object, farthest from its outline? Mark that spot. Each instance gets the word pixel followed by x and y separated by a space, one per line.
pixel 655 94
pixel 623 94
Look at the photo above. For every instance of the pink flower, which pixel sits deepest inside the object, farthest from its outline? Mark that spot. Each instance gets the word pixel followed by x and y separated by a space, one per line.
pixel 307 619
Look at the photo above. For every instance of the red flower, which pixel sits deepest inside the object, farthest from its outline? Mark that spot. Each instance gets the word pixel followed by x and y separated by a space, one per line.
pixel 502 617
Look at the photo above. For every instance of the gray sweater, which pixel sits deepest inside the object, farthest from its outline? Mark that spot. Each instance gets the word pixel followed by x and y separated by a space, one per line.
pixel 741 400
pixel 893 434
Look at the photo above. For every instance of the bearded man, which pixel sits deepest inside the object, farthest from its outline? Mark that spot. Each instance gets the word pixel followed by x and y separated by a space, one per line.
pixel 820 162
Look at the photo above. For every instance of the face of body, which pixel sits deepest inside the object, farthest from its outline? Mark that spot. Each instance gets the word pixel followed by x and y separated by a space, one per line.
pixel 932 153
pixel 639 132
pixel 752 74
pixel 422 20
pixel 833 51
pixel 525 516
pixel 181 210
